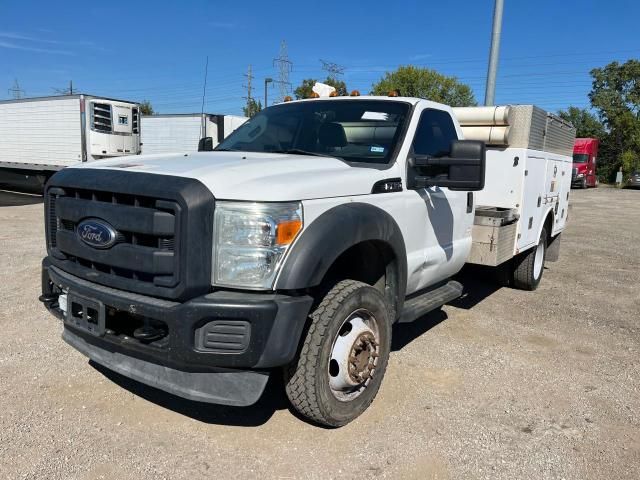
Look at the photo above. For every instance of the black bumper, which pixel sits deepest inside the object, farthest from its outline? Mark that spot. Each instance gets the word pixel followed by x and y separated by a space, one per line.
pixel 272 327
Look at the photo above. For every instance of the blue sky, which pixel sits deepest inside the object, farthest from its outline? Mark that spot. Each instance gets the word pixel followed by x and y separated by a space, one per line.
pixel 156 50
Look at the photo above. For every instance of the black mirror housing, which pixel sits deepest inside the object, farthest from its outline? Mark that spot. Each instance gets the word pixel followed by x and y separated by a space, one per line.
pixel 205 144
pixel 462 169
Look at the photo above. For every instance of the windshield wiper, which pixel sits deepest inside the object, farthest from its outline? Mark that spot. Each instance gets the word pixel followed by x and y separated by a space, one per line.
pixel 298 151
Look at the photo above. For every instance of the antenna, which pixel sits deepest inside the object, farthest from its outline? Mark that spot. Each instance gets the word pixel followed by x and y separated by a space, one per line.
pixel 16 92
pixel 284 66
pixel 332 69
pixel 203 127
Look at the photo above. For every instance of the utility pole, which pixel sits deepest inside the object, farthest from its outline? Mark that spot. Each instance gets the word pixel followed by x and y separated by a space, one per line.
pixel 332 69
pixel 492 73
pixel 203 126
pixel 65 91
pixel 284 66
pixel 266 81
pixel 16 92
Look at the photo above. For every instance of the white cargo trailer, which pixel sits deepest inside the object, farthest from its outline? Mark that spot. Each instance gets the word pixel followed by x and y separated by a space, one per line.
pixel 39 136
pixel 170 133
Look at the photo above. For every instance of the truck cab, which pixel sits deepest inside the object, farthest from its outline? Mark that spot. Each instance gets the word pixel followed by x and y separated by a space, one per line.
pixel 290 249
pixel 585 153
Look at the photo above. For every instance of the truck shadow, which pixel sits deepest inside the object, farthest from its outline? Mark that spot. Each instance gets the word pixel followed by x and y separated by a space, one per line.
pixel 479 283
pixel 405 333
pixel 16 199
pixel 272 399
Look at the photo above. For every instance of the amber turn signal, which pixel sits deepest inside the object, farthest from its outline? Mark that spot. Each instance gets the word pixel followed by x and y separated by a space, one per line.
pixel 286 231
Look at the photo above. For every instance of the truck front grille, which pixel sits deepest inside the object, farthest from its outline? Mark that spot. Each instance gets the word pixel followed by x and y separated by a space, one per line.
pixel 160 229
pixel 145 249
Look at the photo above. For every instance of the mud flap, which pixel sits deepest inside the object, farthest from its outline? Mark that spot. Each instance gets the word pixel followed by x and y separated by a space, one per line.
pixel 553 249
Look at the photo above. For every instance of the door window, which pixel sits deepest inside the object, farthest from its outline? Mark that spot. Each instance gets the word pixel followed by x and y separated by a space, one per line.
pixel 434 134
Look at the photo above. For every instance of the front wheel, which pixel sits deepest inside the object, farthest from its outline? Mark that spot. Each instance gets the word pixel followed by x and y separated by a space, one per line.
pixel 530 265
pixel 344 355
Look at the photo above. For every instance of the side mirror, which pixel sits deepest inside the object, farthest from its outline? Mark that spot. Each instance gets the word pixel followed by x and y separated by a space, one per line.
pixel 205 144
pixel 462 169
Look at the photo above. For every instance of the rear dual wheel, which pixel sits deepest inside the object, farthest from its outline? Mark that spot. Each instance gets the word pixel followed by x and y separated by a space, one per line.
pixel 344 355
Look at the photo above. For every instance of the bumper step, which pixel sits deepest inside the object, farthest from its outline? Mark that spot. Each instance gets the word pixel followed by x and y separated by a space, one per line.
pixel 239 388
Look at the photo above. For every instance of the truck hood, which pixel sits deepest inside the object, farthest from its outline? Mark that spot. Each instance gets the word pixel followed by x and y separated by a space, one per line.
pixel 257 176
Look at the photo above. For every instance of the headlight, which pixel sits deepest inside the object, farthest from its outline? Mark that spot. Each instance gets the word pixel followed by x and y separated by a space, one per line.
pixel 580 175
pixel 250 241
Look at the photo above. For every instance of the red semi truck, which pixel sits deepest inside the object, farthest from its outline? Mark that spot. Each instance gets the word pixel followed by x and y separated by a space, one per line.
pixel 585 151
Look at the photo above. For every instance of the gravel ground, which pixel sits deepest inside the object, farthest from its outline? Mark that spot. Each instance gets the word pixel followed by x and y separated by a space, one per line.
pixel 503 384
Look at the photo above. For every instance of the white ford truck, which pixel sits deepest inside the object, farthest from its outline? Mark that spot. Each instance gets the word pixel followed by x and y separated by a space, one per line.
pixel 296 244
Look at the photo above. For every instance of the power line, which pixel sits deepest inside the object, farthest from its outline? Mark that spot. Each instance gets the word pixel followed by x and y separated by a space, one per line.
pixel 284 66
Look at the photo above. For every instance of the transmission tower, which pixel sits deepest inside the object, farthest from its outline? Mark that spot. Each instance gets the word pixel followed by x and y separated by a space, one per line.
pixel 284 66
pixel 332 69
pixel 248 86
pixel 15 91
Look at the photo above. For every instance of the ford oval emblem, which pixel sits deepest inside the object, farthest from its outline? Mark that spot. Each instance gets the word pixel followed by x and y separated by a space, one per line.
pixel 97 233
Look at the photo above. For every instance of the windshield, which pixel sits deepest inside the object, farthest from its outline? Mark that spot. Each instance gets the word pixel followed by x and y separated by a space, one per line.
pixel 580 158
pixel 354 130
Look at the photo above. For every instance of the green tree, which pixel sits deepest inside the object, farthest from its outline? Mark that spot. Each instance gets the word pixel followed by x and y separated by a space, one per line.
pixel 252 107
pixel 615 94
pixel 146 108
pixel 630 162
pixel 305 88
pixel 420 82
pixel 587 124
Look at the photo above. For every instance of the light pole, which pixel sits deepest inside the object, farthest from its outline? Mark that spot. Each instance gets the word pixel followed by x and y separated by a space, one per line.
pixel 266 81
pixel 490 91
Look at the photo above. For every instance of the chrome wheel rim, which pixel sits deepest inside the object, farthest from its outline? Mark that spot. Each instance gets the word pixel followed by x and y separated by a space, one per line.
pixel 354 355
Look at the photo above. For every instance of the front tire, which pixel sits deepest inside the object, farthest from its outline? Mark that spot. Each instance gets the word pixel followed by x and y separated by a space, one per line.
pixel 530 265
pixel 344 355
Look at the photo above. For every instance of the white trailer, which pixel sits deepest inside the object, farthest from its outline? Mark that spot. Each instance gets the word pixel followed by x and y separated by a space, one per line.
pixel 39 136
pixel 170 133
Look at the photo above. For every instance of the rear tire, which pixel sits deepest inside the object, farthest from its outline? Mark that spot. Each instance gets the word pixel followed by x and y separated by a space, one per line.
pixel 529 266
pixel 351 322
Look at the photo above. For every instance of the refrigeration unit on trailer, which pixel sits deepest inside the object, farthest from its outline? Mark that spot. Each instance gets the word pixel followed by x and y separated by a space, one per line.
pixel 167 133
pixel 39 136
pixel 294 246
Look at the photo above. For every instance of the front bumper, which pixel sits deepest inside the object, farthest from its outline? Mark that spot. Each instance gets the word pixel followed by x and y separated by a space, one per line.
pixel 182 362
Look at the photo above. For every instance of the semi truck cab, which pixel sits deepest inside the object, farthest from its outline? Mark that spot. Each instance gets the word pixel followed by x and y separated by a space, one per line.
pixel 291 249
pixel 585 153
